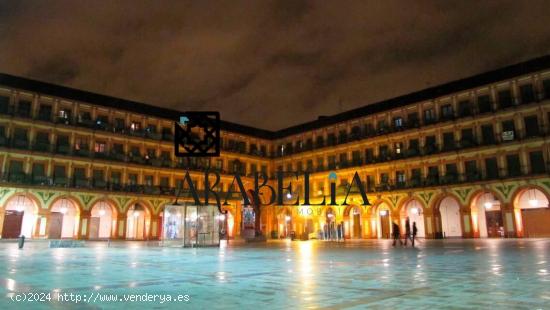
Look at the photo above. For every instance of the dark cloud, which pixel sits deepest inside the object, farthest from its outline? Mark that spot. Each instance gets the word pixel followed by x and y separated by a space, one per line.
pixel 270 64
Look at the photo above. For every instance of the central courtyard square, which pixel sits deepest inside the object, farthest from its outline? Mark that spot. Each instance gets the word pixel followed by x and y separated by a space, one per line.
pixel 510 273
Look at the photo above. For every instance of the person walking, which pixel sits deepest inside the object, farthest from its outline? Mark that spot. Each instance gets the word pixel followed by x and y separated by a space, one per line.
pixel 407 230
pixel 395 233
pixel 414 232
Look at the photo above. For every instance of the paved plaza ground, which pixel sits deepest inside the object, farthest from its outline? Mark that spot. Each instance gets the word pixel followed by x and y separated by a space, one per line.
pixel 511 273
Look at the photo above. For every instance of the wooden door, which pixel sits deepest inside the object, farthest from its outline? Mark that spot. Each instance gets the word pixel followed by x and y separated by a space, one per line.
pixel 494 224
pixel 13 221
pixel 94 228
pixel 385 226
pixel 536 222
pixel 56 224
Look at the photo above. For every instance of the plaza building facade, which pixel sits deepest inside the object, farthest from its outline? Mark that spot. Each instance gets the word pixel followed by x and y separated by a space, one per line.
pixel 466 159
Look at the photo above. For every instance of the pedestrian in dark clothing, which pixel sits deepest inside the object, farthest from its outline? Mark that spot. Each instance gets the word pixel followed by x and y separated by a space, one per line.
pixel 407 230
pixel 415 230
pixel 395 233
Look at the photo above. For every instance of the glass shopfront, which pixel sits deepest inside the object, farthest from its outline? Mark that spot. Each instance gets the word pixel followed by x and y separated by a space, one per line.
pixel 191 226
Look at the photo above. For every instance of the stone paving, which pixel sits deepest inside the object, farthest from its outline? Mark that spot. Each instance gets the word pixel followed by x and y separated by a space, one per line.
pixel 458 274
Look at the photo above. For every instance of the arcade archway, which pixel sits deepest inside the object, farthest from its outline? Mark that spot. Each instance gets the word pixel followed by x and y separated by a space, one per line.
pixel 19 217
pixel 64 217
pixel 447 218
pixel 532 213
pixel 487 211
pixel 102 220
pixel 137 222
pixel 415 212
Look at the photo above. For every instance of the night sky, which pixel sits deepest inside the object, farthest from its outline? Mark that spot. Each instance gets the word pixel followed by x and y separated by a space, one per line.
pixel 269 64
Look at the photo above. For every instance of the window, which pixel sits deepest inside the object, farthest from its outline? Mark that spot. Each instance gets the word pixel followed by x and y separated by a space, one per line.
pixel 64 114
pixel 309 165
pixel 384 178
pixel 299 167
pixel 412 119
pixel 320 164
pixel 38 170
pixel 536 160
pixel 451 173
pixel 42 137
pixel 383 152
pixel 369 155
pixel 343 136
pixel 433 175
pixel 59 172
pixel 332 162
pixel 467 137
pixel 414 147
pixel 491 168
pixel 62 140
pixel 289 167
pixel 343 159
pixel 119 124
pixel 79 173
pixel 81 144
pixel 16 167
pixel 99 175
pixel 398 122
pixel 398 148
pixel 465 108
pixel 24 108
pixel 448 141
pixel 164 182
pixel 470 168
pixel 508 130
pixel 416 176
pixel 151 128
pixel 148 180
pixel 4 104
pixel 527 93
pixel 370 183
pixel 132 179
pixel 430 145
pixel 115 177
pixel 546 88
pixel 429 116
pixel 400 178
pixel 45 112
pixel 102 121
pixel 505 98
pixel 447 111
pixel 487 134
pixel 331 139
pixel 135 126
pixel 531 126
pixel 513 164
pixel 484 104
pixel 100 147
pixel 382 125
pixel 59 175
pixel 356 157
pixel 319 141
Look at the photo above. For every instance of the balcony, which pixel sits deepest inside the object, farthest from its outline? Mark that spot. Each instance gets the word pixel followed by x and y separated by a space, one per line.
pixel 81 182
pixel 42 147
pixel 20 144
pixel 81 153
pixel 16 177
pixel 63 149
pixel 40 180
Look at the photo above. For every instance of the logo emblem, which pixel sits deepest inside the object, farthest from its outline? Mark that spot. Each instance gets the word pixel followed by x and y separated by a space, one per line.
pixel 197 134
